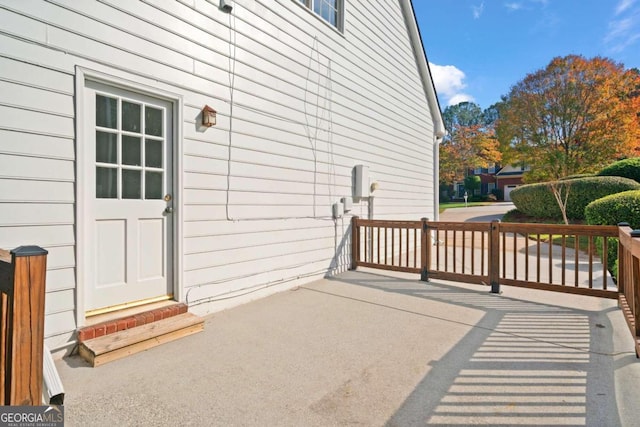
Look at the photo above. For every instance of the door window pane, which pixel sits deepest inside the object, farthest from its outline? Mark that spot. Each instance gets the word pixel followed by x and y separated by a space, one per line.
pixel 106 183
pixel 106 112
pixel 131 117
pixel 152 121
pixel 131 147
pixel 153 185
pixel 153 153
pixel 131 184
pixel 106 147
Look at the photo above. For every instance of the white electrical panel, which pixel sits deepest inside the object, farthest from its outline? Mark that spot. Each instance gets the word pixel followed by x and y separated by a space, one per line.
pixel 347 203
pixel 338 210
pixel 361 181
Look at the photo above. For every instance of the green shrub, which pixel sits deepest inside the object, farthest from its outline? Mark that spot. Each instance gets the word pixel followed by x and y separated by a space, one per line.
pixel 612 210
pixel 537 200
pixel 479 198
pixel 628 168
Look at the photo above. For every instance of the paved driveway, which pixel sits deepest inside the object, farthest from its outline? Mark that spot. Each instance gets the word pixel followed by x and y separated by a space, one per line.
pixel 485 213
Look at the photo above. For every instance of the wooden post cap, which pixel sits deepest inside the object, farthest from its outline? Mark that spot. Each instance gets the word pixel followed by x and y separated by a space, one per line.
pixel 28 251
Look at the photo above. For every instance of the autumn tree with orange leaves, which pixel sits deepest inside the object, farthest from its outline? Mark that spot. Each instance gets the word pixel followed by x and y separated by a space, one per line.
pixel 574 116
pixel 470 142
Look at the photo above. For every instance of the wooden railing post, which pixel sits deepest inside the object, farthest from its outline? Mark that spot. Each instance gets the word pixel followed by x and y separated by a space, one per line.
pixel 23 326
pixel 355 242
pixel 622 267
pixel 635 284
pixel 494 256
pixel 425 253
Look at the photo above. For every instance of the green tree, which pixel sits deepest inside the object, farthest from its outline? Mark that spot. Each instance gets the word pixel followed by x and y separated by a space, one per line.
pixel 462 115
pixel 472 183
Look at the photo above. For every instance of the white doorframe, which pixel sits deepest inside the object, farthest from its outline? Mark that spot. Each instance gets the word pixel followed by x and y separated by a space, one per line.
pixel 144 86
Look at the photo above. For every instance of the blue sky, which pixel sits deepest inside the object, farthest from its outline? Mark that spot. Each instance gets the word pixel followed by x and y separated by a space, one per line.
pixel 478 49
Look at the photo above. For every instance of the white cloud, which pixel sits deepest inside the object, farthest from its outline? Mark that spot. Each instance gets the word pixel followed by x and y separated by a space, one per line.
pixel 618 29
pixel 477 10
pixel 460 97
pixel 624 30
pixel 513 6
pixel 624 5
pixel 449 82
pixel 527 5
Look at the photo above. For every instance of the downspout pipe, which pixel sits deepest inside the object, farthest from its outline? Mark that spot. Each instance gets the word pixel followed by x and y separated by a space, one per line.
pixel 53 390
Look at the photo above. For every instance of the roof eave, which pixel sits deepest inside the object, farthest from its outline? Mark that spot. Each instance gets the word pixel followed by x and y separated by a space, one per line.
pixel 423 67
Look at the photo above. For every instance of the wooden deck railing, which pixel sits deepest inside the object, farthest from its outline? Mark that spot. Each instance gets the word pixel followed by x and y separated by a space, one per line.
pixel 22 290
pixel 565 258
pixel 388 245
pixel 629 280
pixel 569 258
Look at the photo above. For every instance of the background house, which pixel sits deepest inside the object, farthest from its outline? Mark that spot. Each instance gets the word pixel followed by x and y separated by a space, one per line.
pixel 106 161
pixel 496 179
pixel 487 182
pixel 508 178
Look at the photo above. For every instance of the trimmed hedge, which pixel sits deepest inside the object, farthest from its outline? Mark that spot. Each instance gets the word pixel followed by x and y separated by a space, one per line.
pixel 537 200
pixel 578 175
pixel 628 168
pixel 612 210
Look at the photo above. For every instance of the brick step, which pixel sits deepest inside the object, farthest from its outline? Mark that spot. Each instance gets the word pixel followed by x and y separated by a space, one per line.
pixel 130 321
pixel 107 348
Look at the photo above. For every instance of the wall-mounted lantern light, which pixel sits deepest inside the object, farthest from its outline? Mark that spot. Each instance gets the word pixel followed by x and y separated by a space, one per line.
pixel 208 116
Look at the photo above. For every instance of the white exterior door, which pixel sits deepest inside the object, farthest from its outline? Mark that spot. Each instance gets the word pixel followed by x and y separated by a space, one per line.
pixel 128 184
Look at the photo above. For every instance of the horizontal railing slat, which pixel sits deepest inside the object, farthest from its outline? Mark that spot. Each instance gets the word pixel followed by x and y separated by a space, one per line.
pixel 388 223
pixel 459 226
pixel 572 229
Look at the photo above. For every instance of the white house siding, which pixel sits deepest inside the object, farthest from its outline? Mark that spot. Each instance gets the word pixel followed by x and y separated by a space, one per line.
pixel 299 104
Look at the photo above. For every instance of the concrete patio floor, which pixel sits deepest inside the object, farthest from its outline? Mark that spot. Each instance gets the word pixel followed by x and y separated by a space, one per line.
pixel 368 348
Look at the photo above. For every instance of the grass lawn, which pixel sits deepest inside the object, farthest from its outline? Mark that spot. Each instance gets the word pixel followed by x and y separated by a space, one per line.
pixel 447 205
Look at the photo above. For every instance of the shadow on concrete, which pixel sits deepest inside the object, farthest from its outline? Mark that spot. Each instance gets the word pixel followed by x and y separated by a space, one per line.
pixel 523 363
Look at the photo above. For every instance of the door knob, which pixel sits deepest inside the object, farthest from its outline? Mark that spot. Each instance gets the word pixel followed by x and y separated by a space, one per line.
pixel 168 210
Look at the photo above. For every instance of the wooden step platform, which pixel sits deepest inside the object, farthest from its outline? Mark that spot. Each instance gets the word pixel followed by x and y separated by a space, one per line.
pixel 98 351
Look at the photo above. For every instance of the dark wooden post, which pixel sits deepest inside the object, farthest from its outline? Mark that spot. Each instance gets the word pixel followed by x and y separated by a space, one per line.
pixel 425 253
pixel 355 242
pixel 494 256
pixel 23 323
